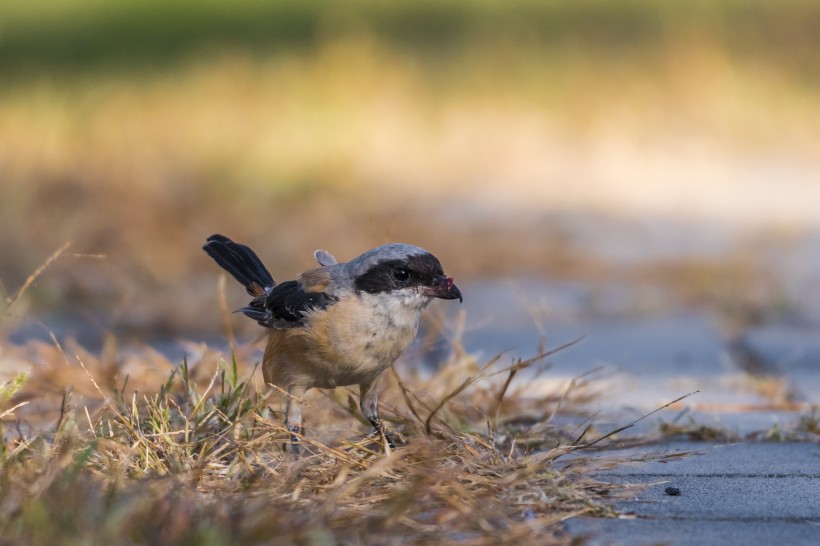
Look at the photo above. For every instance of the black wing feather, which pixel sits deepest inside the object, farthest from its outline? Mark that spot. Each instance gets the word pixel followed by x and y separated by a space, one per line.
pixel 286 305
pixel 240 261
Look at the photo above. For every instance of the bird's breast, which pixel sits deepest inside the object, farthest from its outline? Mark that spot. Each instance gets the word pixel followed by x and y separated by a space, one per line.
pixel 367 334
pixel 348 343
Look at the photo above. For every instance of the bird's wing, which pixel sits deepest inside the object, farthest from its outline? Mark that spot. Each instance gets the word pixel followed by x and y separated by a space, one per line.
pixel 287 304
pixel 324 257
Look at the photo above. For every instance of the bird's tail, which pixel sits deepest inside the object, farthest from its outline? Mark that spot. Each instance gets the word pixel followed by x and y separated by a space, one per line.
pixel 241 262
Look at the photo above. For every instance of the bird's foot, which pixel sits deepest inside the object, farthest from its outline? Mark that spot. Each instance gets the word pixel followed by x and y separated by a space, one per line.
pixel 295 441
pixel 381 434
pixel 388 440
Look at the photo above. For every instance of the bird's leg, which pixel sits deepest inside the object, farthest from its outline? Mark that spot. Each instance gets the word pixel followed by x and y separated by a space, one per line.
pixel 293 415
pixel 369 402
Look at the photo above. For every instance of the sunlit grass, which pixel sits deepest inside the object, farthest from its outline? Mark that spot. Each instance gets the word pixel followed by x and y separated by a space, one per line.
pixel 128 447
pixel 198 454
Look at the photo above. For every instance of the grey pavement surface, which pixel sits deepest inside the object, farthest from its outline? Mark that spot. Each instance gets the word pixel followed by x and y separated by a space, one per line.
pixel 649 357
pixel 745 493
pixel 691 532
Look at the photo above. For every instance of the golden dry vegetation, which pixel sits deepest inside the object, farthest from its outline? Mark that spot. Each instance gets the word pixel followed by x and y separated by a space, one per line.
pixel 134 130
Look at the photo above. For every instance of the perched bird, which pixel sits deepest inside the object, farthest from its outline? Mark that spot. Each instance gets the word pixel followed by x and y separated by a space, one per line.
pixel 340 324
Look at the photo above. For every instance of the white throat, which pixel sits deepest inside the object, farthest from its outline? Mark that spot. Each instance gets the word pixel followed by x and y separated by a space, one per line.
pixel 400 308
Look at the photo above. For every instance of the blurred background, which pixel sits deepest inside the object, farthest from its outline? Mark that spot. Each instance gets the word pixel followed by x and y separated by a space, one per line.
pixel 588 159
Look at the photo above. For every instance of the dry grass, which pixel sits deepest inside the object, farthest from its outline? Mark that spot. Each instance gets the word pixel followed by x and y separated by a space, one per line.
pixel 99 458
pixel 129 448
pixel 803 429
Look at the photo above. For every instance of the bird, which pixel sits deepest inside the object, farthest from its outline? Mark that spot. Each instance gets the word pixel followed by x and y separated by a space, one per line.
pixel 337 325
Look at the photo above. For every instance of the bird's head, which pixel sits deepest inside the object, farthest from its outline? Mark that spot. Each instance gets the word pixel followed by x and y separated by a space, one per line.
pixel 402 269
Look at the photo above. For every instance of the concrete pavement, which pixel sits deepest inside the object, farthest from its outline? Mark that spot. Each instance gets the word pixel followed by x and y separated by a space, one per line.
pixel 745 493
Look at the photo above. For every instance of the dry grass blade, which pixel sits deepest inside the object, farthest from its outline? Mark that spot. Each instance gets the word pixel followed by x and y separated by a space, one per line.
pixel 500 398
pixel 205 394
pixel 513 369
pixel 455 392
pixel 225 312
pixel 37 272
pixel 10 411
pixel 406 393
pixel 638 420
pixel 522 364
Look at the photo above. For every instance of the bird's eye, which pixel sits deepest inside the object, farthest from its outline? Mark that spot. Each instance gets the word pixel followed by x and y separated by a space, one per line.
pixel 401 274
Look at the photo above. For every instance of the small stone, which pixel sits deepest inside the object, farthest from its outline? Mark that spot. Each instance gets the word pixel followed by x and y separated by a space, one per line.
pixel 673 491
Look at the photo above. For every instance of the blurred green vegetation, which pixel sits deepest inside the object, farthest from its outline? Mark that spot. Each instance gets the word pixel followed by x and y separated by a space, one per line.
pixel 67 35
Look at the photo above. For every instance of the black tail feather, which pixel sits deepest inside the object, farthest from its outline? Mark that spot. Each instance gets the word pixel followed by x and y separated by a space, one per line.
pixel 240 261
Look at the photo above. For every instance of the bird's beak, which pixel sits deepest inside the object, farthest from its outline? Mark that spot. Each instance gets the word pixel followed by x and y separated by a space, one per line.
pixel 445 289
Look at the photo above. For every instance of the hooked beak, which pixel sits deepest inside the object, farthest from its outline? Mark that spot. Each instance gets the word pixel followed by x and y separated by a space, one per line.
pixel 445 289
